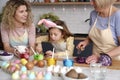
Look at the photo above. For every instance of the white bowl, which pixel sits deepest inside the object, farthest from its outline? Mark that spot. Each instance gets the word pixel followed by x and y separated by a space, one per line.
pixel 68 78
pixel 5 57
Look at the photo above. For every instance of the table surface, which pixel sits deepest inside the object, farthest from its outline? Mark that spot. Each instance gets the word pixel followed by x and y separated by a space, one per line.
pixel 113 71
pixel 115 65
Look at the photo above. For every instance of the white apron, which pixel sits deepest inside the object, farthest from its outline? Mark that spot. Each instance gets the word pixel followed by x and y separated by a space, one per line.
pixel 103 39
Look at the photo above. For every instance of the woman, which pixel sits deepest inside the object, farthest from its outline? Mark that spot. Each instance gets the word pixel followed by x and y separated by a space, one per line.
pixel 105 30
pixel 59 36
pixel 16 27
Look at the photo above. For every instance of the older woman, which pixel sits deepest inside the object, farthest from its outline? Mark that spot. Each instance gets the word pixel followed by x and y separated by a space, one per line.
pixel 105 30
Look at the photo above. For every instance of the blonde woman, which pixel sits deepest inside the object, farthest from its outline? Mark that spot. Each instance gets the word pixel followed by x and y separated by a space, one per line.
pixel 17 27
pixel 105 30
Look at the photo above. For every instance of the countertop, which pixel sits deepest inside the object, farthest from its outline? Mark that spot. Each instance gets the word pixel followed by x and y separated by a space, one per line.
pixel 111 74
pixel 115 64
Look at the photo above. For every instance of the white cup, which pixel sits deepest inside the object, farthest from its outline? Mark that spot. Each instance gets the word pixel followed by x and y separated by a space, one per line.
pixel 21 48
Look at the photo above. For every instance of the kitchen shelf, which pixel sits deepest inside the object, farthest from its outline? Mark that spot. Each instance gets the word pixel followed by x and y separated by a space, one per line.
pixel 63 3
pixel 59 3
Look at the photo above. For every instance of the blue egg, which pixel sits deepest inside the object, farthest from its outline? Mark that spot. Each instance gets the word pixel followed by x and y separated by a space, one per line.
pixel 48 76
pixel 31 76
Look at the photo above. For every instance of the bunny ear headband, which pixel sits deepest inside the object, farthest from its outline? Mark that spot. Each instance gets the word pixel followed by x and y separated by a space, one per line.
pixel 49 24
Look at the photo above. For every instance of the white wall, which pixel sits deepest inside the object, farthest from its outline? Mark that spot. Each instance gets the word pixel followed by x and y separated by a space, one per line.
pixel 73 15
pixel 2 3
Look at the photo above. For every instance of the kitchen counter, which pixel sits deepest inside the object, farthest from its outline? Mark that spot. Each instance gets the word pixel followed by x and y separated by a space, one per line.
pixel 112 70
pixel 115 65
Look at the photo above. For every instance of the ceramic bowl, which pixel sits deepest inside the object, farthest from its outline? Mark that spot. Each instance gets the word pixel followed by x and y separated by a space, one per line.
pixel 5 56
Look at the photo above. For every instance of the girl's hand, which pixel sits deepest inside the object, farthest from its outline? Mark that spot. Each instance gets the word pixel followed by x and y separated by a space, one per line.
pixel 92 58
pixel 49 53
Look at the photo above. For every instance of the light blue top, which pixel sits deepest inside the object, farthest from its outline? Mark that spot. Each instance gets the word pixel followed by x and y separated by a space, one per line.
pixel 102 23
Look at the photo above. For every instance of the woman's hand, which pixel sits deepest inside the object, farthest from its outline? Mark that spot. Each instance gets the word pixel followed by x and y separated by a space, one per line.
pixel 92 58
pixel 17 53
pixel 82 44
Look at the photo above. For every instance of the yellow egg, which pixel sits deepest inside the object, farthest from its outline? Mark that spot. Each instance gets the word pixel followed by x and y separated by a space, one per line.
pixel 23 61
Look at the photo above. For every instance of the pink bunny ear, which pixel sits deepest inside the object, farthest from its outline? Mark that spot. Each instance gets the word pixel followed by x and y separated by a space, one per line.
pixel 47 23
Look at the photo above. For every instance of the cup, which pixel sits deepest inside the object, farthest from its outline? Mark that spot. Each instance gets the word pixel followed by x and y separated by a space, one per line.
pixel 68 62
pixel 38 56
pixel 21 48
pixel 51 61
pixel 98 71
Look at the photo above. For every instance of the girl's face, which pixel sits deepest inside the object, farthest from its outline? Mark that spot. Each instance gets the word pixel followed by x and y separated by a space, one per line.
pixel 21 14
pixel 55 34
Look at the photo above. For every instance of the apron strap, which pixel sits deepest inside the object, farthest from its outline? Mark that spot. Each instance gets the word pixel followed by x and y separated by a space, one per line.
pixel 109 16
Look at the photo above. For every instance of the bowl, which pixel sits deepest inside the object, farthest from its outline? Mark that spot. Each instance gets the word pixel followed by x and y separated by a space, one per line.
pixel 78 72
pixel 5 56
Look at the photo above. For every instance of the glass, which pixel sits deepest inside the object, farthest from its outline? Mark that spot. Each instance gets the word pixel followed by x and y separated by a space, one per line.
pixel 68 62
pixel 98 71
pixel 51 61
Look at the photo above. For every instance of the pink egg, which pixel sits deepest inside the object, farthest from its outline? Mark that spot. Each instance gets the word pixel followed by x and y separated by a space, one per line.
pixel 23 76
pixel 17 61
pixel 39 75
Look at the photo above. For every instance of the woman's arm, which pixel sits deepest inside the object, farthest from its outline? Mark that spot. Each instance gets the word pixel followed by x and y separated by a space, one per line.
pixel 32 36
pixel 115 51
pixel 5 39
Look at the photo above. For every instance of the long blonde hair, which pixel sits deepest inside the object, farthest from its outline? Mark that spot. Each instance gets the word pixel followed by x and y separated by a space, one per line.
pixel 104 3
pixel 9 11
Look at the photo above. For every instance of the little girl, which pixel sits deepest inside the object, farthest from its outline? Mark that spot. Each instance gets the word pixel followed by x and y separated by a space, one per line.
pixel 59 36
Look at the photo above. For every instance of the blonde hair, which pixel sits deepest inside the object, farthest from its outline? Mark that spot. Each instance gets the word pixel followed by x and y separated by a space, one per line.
pixel 9 11
pixel 104 3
